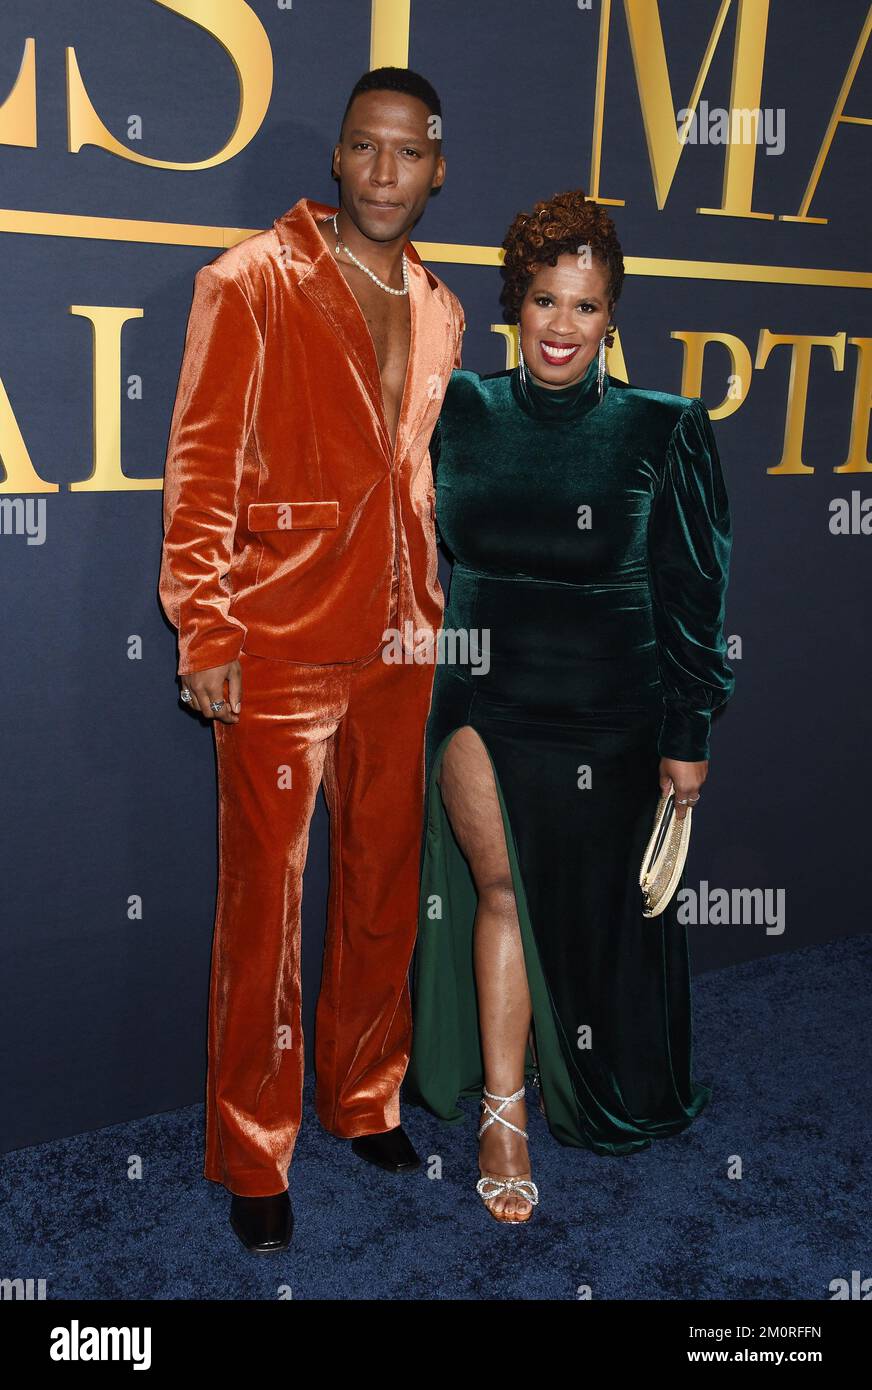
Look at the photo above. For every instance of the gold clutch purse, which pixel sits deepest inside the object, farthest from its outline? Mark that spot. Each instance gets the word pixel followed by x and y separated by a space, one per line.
pixel 664 857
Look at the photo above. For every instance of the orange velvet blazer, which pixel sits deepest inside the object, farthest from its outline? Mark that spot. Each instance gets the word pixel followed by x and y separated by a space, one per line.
pixel 290 523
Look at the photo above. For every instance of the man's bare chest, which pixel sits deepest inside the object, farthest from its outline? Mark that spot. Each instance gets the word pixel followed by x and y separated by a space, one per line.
pixel 388 320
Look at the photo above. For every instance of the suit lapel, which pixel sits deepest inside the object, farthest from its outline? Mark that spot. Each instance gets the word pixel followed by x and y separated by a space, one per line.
pixel 430 337
pixel 431 349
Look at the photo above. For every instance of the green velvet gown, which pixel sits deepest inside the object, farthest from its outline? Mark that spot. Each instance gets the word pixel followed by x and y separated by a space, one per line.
pixel 600 649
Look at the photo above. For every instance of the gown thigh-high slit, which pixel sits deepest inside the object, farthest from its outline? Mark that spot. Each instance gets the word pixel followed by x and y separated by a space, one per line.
pixel 487 858
pixel 594 671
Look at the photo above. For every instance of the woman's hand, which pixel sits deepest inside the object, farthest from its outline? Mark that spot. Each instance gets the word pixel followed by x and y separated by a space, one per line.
pixel 686 778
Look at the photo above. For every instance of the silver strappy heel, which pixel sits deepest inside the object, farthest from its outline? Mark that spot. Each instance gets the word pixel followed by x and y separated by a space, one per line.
pixel 490 1185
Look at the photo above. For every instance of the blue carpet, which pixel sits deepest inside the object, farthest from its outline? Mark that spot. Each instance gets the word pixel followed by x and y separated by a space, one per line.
pixel 785 1044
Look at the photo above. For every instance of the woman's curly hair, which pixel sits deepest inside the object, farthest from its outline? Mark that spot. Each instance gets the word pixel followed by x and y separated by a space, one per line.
pixel 565 223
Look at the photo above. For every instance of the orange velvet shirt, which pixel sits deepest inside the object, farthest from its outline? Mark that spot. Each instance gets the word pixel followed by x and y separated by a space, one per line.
pixel 290 523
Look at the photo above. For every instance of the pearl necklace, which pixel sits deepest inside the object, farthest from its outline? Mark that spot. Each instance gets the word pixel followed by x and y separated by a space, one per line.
pixel 371 273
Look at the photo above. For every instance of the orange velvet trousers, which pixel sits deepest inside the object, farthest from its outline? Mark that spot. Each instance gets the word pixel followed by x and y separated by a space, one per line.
pixel 360 729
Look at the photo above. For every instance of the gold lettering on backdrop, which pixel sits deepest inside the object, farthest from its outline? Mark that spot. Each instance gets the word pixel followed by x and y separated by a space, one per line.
pixel 660 112
pixel 18 111
pixel 390 22
pixel 746 87
pixel 691 373
pixel 509 332
pixel 857 461
pixel 19 472
pixel 838 117
pixel 800 345
pixel 106 475
pixel 240 33
pixel 599 103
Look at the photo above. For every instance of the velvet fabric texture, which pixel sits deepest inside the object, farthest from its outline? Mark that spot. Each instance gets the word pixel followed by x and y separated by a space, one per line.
pixel 605 651
pixel 360 729
pixel 290 523
pixel 296 538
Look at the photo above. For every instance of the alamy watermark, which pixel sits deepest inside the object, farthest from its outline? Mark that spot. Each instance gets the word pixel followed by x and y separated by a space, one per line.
pixel 739 126
pixel 23 516
pixel 419 646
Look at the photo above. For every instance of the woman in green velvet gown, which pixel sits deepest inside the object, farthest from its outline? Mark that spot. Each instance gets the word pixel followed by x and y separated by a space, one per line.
pixel 589 526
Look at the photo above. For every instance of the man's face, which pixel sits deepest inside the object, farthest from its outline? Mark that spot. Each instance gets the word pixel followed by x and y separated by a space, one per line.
pixel 387 162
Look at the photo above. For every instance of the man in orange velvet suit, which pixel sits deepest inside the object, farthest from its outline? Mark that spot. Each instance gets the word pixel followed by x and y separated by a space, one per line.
pixel 299 533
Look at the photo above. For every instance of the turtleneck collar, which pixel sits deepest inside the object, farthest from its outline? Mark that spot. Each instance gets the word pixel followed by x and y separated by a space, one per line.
pixel 564 403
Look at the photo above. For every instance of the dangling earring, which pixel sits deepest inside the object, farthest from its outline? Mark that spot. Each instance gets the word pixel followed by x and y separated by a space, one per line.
pixel 601 366
pixel 522 366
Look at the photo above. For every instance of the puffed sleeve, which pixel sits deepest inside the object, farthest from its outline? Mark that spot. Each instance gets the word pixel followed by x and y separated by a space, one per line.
pixel 689 545
pixel 212 418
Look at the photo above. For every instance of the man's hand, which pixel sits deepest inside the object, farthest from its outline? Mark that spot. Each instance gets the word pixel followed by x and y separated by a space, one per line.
pixel 686 778
pixel 206 686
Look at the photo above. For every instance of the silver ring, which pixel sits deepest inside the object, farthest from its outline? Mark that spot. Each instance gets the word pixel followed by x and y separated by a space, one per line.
pixel 215 705
pixel 186 696
pixel 687 801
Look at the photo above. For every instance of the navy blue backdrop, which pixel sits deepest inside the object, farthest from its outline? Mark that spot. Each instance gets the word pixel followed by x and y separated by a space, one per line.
pixel 109 853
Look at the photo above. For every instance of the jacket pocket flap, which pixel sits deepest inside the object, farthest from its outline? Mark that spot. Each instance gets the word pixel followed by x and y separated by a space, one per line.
pixel 292 516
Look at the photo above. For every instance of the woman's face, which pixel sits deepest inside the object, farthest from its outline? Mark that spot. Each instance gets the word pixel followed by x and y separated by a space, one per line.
pixel 565 307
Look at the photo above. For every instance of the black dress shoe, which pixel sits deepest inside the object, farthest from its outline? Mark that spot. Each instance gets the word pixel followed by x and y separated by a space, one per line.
pixel 392 1150
pixel 263 1224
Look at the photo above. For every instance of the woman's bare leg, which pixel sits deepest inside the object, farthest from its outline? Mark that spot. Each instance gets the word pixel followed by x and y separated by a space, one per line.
pixel 470 798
